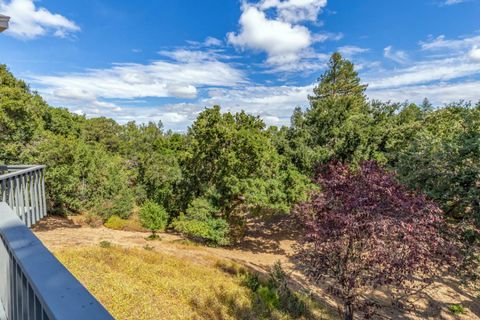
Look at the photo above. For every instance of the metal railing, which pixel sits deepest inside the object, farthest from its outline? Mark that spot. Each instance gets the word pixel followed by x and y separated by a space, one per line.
pixel 23 188
pixel 34 285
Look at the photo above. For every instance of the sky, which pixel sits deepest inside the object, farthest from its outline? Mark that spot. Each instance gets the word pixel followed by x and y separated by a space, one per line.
pixel 168 60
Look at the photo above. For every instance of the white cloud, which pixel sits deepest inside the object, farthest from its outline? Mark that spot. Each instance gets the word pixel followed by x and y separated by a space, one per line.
pixel 452 2
pixel 29 22
pixel 212 42
pixel 180 78
pixel 448 72
pixel 474 53
pixel 427 71
pixel 438 94
pixel 275 27
pixel 398 56
pixel 441 43
pixel 294 11
pixel 281 40
pixel 447 60
pixel 350 51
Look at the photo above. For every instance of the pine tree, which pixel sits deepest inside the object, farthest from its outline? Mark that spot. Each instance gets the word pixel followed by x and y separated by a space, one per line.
pixel 426 106
pixel 339 80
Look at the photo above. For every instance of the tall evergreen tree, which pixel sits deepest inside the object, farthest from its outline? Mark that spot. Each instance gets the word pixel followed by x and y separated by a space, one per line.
pixel 339 80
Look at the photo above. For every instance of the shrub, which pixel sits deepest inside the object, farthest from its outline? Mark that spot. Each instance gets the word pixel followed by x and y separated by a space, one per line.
pixel 200 224
pixel 105 244
pixel 289 300
pixel 116 223
pixel 130 224
pixel 213 231
pixel 457 309
pixel 153 217
pixel 268 296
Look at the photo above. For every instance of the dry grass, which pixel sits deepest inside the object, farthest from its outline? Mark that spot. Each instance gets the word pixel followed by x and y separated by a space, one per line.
pixel 142 284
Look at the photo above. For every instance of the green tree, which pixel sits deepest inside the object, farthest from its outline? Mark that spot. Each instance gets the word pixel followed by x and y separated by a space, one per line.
pixel 443 160
pixel 20 116
pixel 153 217
pixel 340 80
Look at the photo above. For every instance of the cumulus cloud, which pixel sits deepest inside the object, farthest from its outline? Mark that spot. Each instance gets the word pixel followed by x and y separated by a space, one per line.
pixel 275 27
pixel 29 21
pixel 281 40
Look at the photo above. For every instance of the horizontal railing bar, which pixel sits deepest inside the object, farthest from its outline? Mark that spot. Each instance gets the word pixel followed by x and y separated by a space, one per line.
pixel 60 294
pixel 21 171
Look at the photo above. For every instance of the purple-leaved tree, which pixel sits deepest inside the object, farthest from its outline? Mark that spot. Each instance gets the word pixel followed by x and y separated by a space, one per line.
pixel 364 230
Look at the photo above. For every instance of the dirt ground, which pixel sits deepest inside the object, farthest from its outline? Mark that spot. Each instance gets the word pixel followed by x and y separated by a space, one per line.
pixel 266 243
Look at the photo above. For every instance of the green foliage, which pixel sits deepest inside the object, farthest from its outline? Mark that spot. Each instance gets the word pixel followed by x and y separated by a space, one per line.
pixel 268 296
pixel 338 124
pixel 200 224
pixel 105 244
pixel 213 231
pixel 20 115
pixel 457 309
pixel 153 216
pixel 232 160
pixel 116 223
pixel 443 160
pixel 339 80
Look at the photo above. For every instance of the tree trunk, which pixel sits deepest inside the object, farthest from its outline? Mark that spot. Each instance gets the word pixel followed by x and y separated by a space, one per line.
pixel 348 312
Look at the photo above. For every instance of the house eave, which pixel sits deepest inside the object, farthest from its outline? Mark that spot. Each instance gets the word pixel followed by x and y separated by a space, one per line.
pixel 4 22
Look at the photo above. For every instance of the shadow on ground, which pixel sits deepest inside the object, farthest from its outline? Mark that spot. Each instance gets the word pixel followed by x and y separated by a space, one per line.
pixel 54 222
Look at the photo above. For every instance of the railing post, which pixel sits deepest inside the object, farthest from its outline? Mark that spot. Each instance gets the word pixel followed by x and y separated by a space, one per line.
pixel 44 197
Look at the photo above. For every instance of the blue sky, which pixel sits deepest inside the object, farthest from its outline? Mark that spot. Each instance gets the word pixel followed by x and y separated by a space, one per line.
pixel 167 60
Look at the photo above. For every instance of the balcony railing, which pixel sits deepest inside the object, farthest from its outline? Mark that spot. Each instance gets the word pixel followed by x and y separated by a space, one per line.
pixel 34 285
pixel 23 188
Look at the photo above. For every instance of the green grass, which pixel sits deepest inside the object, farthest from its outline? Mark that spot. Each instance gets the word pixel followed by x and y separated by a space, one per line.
pixel 142 284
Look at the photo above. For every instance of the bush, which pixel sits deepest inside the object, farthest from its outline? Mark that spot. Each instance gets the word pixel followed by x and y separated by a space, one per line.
pixel 130 224
pixel 457 309
pixel 200 224
pixel 153 217
pixel 213 231
pixel 268 296
pixel 105 244
pixel 116 223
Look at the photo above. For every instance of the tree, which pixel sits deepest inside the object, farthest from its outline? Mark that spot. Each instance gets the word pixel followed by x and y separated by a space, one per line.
pixel 231 160
pixel 364 230
pixel 426 105
pixel 153 217
pixel 20 116
pixel 338 124
pixel 443 160
pixel 339 80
